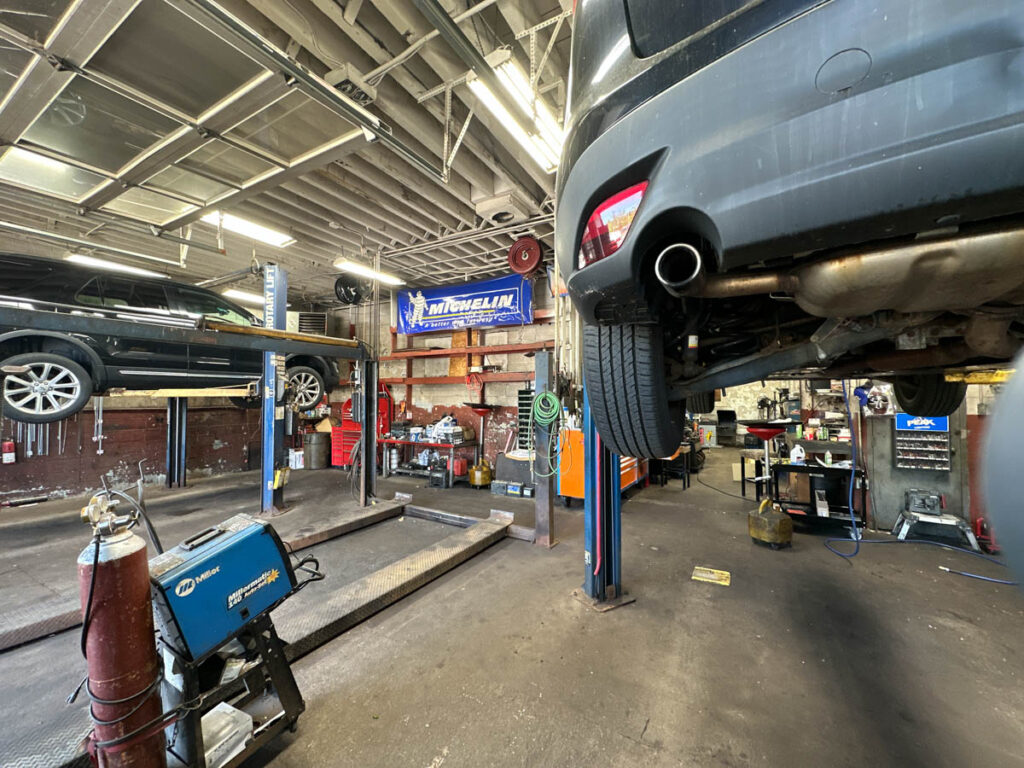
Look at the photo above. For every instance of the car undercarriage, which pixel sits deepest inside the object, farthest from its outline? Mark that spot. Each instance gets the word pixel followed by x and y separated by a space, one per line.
pixel 913 307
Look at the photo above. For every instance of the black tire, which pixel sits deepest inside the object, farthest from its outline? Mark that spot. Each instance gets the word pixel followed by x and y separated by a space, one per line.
pixel 928 394
pixel 307 386
pixel 702 402
pixel 71 388
pixel 624 373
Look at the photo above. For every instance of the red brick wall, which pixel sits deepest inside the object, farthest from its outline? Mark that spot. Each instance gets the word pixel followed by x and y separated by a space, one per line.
pixel 219 440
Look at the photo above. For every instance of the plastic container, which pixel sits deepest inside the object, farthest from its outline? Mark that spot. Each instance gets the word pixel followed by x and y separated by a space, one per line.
pixel 8 451
pixel 225 733
pixel 460 467
pixel 316 448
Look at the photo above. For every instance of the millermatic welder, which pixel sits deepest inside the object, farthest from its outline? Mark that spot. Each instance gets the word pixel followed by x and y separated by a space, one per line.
pixel 212 584
pixel 212 596
pixel 216 686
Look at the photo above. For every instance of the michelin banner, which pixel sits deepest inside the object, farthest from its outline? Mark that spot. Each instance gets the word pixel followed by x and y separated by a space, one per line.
pixel 500 301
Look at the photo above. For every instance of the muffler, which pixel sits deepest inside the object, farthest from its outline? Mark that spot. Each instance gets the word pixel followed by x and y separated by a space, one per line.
pixel 925 275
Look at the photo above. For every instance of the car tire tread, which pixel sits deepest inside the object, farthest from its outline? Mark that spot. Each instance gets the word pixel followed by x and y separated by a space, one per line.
pixel 625 380
pixel 929 395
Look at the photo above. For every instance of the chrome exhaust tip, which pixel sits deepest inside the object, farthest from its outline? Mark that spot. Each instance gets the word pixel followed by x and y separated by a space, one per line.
pixel 678 267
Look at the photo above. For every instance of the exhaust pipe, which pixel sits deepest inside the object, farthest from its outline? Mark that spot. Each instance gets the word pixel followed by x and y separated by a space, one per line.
pixel 924 275
pixel 680 268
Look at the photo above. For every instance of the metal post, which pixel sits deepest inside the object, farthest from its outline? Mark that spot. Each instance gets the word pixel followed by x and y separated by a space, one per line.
pixel 544 526
pixel 177 441
pixel 602 519
pixel 368 436
pixel 275 293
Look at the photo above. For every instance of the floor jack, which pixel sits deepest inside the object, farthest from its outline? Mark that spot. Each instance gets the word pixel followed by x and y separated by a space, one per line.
pixel 225 688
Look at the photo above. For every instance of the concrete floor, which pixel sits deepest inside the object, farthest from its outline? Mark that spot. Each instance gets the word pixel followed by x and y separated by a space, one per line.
pixel 806 659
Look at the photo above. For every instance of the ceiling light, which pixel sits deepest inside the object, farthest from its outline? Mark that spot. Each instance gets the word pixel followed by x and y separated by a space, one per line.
pixel 113 266
pixel 536 147
pixel 515 81
pixel 244 296
pixel 249 229
pixel 355 268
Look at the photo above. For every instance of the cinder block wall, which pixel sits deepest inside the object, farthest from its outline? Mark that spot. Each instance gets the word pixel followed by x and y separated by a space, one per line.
pixel 430 401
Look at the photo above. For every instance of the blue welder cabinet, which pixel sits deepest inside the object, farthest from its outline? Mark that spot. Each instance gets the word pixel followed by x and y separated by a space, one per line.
pixel 212 597
pixel 212 584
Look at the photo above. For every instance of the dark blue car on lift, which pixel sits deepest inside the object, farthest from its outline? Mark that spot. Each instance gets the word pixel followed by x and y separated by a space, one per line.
pixel 51 375
pixel 757 188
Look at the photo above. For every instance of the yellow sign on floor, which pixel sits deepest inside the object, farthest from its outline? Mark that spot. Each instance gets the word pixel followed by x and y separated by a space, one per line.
pixel 700 573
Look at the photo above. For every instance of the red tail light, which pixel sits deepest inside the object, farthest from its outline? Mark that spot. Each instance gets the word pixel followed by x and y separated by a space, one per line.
pixel 609 223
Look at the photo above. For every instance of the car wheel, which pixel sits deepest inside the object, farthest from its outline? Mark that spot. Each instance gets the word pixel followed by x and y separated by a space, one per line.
pixel 702 402
pixel 624 373
pixel 307 386
pixel 928 394
pixel 51 388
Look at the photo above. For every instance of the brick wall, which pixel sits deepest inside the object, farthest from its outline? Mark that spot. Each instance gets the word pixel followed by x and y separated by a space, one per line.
pixel 220 439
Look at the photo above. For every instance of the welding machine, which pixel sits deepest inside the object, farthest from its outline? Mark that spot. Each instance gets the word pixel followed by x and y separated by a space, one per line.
pixel 223 660
pixel 211 585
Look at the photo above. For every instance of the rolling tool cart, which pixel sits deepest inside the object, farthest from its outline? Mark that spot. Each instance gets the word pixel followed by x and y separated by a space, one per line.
pixel 224 665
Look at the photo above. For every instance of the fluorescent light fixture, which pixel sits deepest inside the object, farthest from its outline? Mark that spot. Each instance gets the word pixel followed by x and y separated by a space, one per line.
pixel 249 229
pixel 543 141
pixel 113 266
pixel 244 296
pixel 355 268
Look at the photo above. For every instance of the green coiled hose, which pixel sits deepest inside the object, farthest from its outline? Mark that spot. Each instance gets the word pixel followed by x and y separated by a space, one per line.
pixel 546 412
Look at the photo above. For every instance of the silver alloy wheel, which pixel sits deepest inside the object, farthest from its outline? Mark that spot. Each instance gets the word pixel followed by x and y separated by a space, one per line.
pixel 307 389
pixel 44 389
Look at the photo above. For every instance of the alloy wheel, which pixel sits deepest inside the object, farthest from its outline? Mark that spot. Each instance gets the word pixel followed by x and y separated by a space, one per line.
pixel 44 389
pixel 307 389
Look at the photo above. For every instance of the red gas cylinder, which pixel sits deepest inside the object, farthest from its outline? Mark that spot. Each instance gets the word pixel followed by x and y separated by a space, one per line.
pixel 121 652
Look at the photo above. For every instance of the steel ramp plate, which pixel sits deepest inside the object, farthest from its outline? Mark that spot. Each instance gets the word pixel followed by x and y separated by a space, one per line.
pixel 307 624
pixel 298 531
pixel 305 621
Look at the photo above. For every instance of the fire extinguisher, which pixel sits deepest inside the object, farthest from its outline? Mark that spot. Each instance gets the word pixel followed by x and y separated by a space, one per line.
pixel 7 451
pixel 124 671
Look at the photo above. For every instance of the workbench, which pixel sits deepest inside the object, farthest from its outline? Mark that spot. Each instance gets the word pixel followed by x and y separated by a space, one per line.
pixel 794 486
pixel 450 447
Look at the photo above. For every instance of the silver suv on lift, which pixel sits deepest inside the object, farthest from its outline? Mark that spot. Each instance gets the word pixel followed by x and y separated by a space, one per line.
pixel 804 188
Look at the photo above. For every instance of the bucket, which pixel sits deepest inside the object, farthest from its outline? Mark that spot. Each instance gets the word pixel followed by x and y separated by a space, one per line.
pixel 315 449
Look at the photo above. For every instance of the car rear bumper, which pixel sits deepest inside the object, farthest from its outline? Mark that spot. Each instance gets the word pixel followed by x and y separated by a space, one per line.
pixel 854 122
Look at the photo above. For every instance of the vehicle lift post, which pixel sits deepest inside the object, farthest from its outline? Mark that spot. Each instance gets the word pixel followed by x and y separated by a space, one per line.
pixel 544 525
pixel 275 294
pixel 602 518
pixel 368 437
pixel 177 436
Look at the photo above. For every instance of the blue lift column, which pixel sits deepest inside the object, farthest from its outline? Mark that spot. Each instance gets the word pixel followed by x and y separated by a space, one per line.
pixel 602 516
pixel 275 293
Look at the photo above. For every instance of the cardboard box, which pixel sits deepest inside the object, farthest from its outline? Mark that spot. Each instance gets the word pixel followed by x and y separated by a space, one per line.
pixel 327 424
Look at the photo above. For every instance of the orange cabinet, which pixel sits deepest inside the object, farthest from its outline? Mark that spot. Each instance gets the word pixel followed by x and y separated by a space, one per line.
pixel 571 463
